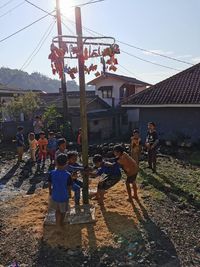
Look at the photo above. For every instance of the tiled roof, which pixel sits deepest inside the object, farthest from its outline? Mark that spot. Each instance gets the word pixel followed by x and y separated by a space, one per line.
pixel 119 77
pixel 182 88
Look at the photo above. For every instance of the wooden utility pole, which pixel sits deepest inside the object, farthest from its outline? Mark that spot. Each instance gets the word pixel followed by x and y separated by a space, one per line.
pixel 63 79
pixel 83 111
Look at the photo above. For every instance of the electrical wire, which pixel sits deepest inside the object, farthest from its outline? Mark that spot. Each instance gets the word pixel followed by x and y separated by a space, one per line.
pixel 10 10
pixel 142 49
pixel 24 28
pixel 7 3
pixel 89 3
pixel 67 27
pixel 36 6
pixel 155 53
pixel 39 46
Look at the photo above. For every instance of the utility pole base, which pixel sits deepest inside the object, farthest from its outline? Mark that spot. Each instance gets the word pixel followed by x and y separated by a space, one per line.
pixel 76 215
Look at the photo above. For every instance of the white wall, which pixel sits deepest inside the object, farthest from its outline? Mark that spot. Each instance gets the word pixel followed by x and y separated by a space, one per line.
pixel 116 87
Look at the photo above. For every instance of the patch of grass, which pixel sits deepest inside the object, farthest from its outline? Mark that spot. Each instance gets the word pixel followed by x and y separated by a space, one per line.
pixel 194 158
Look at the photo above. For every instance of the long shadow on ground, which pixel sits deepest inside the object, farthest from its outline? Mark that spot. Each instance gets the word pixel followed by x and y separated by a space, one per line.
pixel 169 191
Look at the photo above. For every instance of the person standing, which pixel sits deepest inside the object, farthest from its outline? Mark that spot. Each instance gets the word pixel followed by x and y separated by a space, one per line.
pixel 38 126
pixel 136 146
pixel 20 142
pixel 151 144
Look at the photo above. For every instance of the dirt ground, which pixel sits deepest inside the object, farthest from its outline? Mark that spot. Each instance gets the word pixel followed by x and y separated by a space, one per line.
pixel 161 229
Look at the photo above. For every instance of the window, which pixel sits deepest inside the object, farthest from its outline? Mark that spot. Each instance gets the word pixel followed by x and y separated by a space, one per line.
pixel 106 91
pixel 96 122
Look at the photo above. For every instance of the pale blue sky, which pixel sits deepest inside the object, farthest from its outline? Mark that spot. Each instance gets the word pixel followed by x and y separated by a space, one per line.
pixel 170 27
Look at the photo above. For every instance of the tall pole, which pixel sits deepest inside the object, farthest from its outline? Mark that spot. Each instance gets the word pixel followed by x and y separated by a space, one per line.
pixel 63 79
pixel 83 111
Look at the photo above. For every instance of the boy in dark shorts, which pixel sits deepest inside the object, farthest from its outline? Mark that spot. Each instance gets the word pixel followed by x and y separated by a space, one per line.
pixel 73 168
pixel 130 168
pixel 58 192
pixel 112 172
pixel 151 144
pixel 20 143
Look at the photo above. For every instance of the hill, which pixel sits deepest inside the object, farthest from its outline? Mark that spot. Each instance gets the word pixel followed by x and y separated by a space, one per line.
pixel 34 81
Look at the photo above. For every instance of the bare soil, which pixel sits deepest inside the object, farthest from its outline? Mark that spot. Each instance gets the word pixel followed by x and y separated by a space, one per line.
pixel 161 229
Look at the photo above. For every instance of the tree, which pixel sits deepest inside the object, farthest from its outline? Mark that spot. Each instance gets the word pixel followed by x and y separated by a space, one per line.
pixel 50 116
pixel 27 104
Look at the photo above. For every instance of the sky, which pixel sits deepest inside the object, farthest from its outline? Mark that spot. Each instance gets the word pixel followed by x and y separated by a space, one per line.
pixel 169 27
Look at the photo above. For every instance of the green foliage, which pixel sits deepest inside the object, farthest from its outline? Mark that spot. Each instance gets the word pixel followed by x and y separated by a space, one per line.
pixel 50 116
pixel 27 104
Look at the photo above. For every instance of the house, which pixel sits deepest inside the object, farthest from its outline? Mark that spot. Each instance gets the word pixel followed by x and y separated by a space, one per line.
pixel 173 104
pixel 113 89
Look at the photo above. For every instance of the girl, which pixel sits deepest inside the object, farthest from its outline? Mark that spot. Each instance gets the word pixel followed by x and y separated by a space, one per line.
pixel 33 145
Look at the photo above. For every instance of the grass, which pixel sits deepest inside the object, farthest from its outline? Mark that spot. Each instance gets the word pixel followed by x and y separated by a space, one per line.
pixel 179 182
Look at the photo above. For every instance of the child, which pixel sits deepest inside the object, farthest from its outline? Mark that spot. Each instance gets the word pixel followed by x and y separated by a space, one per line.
pixel 61 147
pixel 52 146
pixel 73 167
pixel 42 143
pixel 58 180
pixel 130 168
pixel 136 146
pixel 20 143
pixel 32 145
pixel 151 144
pixel 113 176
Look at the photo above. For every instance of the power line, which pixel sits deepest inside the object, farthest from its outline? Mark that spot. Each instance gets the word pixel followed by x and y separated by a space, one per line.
pixel 142 49
pixel 155 53
pixel 24 28
pixel 148 61
pixel 68 28
pixel 39 46
pixel 10 10
pixel 89 3
pixel 36 6
pixel 7 3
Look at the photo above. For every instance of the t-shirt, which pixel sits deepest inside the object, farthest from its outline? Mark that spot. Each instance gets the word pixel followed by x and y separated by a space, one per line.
pixel 59 180
pixel 20 139
pixel 42 144
pixel 58 152
pixel 37 126
pixel 74 167
pixel 33 144
pixel 128 164
pixel 79 139
pixel 112 170
pixel 52 144
pixel 152 138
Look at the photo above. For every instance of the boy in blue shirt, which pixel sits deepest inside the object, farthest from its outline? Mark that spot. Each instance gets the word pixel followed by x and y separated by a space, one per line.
pixel 51 147
pixel 73 167
pixel 20 142
pixel 58 181
pixel 112 172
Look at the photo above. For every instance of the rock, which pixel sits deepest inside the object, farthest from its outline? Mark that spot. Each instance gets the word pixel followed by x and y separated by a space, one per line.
pixel 73 252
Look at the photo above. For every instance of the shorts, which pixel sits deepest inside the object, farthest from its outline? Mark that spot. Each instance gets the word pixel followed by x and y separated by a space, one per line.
pixel 61 206
pixel 131 179
pixel 108 182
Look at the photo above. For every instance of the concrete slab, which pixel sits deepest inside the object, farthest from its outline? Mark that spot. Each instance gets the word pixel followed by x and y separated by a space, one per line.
pixel 76 215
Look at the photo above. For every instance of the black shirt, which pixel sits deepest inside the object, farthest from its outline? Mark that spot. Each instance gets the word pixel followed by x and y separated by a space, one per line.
pixel 152 138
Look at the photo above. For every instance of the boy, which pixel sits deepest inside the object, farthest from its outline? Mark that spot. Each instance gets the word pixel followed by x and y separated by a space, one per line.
pixel 52 146
pixel 20 142
pixel 136 146
pixel 61 147
pixel 58 180
pixel 33 143
pixel 42 143
pixel 73 167
pixel 130 168
pixel 113 176
pixel 151 144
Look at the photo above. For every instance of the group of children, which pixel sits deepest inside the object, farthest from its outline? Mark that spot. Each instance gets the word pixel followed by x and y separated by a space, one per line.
pixel 64 178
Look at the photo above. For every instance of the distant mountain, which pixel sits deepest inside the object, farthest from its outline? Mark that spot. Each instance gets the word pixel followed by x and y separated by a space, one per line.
pixel 34 81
